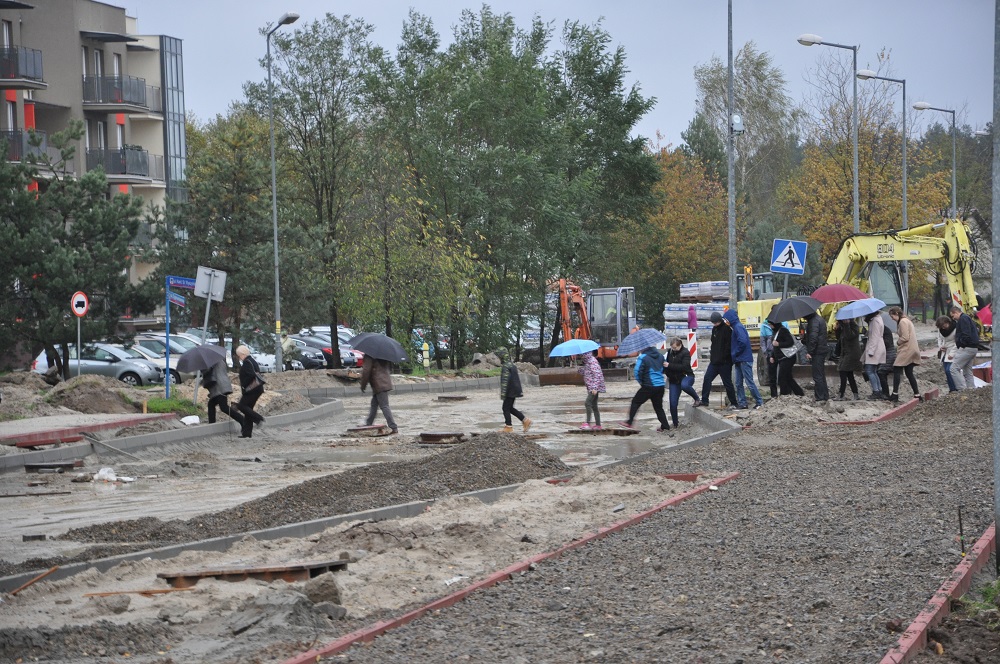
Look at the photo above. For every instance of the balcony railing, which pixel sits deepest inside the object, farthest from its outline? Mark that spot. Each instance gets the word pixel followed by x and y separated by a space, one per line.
pixel 114 90
pixel 19 144
pixel 119 162
pixel 153 99
pixel 19 62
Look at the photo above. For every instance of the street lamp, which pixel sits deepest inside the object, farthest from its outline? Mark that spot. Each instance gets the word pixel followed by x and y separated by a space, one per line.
pixel 285 19
pixel 816 40
pixel 924 106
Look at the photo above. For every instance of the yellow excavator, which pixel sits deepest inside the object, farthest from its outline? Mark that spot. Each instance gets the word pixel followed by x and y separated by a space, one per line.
pixel 871 262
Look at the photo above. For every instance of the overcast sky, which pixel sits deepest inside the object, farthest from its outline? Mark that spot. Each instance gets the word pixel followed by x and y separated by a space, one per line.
pixel 944 50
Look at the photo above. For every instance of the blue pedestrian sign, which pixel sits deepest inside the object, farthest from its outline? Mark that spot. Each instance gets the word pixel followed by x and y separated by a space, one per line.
pixel 180 282
pixel 789 257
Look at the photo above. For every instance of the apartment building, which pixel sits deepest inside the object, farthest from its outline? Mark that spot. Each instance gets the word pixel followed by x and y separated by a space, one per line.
pixel 79 59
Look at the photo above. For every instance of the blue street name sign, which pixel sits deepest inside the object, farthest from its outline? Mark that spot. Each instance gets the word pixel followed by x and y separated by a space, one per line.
pixel 180 282
pixel 176 299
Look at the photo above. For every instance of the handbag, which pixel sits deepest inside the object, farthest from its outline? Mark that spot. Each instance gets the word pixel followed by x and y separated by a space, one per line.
pixel 257 382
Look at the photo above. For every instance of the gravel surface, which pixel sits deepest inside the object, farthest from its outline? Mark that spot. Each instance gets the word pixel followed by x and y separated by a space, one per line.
pixel 829 534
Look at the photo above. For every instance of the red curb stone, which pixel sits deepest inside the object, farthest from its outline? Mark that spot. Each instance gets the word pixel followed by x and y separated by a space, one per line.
pixel 65 433
pixel 914 639
pixel 901 409
pixel 368 634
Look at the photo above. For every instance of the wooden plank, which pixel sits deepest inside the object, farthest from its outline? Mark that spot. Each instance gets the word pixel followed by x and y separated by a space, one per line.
pixel 289 573
pixel 145 593
pixel 34 580
pixel 38 493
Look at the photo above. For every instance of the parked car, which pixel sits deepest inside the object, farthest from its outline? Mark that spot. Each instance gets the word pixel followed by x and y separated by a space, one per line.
pixel 348 357
pixel 156 342
pixel 107 360
pixel 143 353
pixel 265 360
pixel 308 356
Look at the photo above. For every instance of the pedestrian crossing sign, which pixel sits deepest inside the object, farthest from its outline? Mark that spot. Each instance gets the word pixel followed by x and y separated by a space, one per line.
pixel 789 257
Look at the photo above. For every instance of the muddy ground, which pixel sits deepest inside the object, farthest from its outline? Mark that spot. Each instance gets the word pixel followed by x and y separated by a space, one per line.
pixel 397 565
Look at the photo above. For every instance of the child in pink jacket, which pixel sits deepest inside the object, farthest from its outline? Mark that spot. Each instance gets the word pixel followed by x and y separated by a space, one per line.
pixel 593 378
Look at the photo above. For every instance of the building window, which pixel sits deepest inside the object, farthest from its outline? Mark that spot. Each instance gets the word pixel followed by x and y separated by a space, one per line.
pixel 7 34
pixel 118 65
pixel 98 62
pixel 11 115
pixel 121 136
pixel 102 135
pixel 84 61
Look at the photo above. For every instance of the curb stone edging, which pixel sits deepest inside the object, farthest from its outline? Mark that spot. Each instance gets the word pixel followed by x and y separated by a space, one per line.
pixel 914 639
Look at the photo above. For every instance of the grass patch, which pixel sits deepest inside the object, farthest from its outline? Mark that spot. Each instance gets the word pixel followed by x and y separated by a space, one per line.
pixel 182 408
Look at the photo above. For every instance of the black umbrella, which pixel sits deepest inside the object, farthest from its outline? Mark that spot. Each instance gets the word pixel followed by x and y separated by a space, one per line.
pixel 379 346
pixel 793 308
pixel 201 358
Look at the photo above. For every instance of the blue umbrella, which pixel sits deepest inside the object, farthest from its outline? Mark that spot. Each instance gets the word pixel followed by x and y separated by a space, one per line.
pixel 574 347
pixel 859 308
pixel 639 340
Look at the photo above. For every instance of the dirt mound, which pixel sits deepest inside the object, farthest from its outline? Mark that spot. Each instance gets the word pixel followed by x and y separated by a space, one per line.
pixel 490 460
pixel 24 395
pixel 26 379
pixel 97 394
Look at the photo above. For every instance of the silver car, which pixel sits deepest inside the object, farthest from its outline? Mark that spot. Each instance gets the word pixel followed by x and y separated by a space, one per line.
pixel 106 360
pixel 143 353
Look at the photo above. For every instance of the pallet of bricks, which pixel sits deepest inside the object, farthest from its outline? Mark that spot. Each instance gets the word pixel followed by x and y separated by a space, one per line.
pixel 705 292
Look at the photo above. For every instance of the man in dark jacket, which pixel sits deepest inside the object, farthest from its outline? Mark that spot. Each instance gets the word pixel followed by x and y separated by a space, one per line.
pixel 967 345
pixel 510 389
pixel 376 373
pixel 742 353
pixel 652 385
pixel 720 360
pixel 817 349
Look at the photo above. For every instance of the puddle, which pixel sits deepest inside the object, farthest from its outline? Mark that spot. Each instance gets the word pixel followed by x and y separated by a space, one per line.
pixel 602 449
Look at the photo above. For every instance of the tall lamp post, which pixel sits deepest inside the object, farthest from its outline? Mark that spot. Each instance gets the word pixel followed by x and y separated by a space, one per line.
pixel 285 19
pixel 816 40
pixel 864 75
pixel 924 106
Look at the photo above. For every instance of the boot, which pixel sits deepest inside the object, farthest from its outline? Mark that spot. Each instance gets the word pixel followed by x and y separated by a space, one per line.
pixel 856 397
pixel 894 397
pixel 507 429
pixel 526 424
pixel 875 396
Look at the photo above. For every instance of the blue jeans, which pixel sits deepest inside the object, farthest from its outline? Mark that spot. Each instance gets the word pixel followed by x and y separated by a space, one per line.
pixel 871 371
pixel 687 387
pixel 744 372
pixel 947 375
pixel 723 370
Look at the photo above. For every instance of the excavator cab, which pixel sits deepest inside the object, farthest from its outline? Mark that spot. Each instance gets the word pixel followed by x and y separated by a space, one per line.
pixel 612 317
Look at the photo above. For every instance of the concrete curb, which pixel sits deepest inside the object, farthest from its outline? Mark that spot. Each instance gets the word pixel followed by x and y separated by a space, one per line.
pixel 62 432
pixel 369 634
pixel 892 414
pixel 914 639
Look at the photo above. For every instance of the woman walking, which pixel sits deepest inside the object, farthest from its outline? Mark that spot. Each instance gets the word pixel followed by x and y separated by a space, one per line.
pixel 874 353
pixel 785 356
pixel 216 381
pixel 593 379
pixel 680 376
pixel 252 388
pixel 848 340
pixel 946 347
pixel 907 354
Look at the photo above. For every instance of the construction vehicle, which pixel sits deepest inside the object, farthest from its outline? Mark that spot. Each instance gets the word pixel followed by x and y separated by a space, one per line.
pixel 605 315
pixel 872 262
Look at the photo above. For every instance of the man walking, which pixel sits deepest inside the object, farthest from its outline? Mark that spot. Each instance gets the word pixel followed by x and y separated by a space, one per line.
pixel 966 347
pixel 720 360
pixel 742 353
pixel 817 349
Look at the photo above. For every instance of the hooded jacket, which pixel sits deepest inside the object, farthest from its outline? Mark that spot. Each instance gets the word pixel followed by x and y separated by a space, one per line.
pixel 740 346
pixel 649 368
pixel 721 350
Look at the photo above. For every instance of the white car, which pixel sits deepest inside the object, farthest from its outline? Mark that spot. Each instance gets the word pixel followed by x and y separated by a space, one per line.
pixel 265 360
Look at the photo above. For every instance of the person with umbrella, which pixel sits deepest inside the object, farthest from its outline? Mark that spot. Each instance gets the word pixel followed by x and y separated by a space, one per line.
pixel 874 353
pixel 849 360
pixel 216 381
pixel 376 373
pixel 510 389
pixel 252 386
pixel 817 349
pixel 649 374
pixel 593 380
pixel 720 360
pixel 785 356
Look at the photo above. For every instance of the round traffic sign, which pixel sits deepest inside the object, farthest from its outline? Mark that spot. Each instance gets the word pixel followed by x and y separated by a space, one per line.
pixel 80 304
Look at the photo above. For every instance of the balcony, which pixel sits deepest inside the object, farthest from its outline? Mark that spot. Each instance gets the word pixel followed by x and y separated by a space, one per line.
pixel 127 165
pixel 19 147
pixel 21 69
pixel 115 94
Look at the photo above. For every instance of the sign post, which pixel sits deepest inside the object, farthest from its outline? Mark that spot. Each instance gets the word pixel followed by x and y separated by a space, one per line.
pixel 211 285
pixel 176 282
pixel 788 257
pixel 80 305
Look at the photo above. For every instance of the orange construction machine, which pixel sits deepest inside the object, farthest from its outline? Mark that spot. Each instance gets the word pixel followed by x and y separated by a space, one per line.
pixel 606 315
